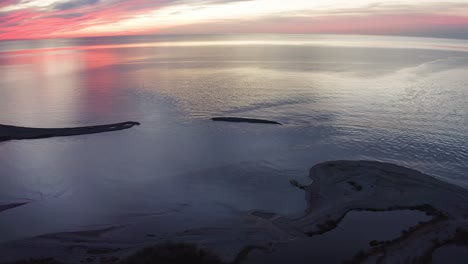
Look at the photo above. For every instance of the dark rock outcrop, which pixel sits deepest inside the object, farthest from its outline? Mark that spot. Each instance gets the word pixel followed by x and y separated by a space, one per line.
pixel 245 120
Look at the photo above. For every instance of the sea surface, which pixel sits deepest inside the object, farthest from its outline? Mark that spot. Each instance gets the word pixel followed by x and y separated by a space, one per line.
pixel 393 99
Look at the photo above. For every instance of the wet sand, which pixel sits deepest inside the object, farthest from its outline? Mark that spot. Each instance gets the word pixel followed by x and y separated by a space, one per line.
pixel 377 212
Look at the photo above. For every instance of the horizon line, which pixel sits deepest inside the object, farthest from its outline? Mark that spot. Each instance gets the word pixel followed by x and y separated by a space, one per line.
pixel 247 33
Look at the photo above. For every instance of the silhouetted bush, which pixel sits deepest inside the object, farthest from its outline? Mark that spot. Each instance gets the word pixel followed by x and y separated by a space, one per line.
pixel 39 261
pixel 173 253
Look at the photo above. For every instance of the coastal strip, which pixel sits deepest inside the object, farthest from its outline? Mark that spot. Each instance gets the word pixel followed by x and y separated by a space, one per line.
pixel 339 187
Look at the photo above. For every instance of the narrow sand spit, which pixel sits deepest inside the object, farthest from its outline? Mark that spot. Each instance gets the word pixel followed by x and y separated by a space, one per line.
pixel 4 207
pixel 16 132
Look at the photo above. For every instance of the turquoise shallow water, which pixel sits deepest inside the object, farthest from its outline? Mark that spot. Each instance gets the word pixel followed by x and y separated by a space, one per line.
pixel 401 100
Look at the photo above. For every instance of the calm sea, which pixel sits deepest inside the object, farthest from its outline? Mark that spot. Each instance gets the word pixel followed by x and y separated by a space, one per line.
pixel 393 99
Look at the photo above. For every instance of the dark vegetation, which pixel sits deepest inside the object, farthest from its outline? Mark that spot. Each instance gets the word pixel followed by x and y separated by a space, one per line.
pixel 297 184
pixel 164 253
pixel 244 253
pixel 356 186
pixel 173 253
pixel 460 238
pixel 39 261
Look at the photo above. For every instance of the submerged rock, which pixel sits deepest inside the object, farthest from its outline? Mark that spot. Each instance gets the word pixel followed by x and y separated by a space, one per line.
pixel 245 120
pixel 16 132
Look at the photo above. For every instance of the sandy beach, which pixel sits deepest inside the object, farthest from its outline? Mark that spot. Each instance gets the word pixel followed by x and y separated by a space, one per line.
pixel 425 214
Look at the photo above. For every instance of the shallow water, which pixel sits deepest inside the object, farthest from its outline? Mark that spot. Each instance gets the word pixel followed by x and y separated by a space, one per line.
pixel 451 253
pixel 400 100
pixel 352 235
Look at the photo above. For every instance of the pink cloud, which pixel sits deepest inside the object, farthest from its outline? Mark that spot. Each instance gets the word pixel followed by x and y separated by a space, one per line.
pixel 67 22
pixel 381 24
pixel 31 23
pixel 7 3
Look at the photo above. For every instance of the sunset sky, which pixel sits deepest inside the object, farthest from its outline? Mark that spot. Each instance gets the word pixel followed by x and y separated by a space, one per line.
pixel 21 19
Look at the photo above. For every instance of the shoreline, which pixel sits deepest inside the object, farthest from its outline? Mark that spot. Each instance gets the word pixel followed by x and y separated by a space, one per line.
pixel 338 187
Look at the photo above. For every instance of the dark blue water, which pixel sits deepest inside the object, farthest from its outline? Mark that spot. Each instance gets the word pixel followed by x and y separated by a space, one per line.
pixel 401 100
